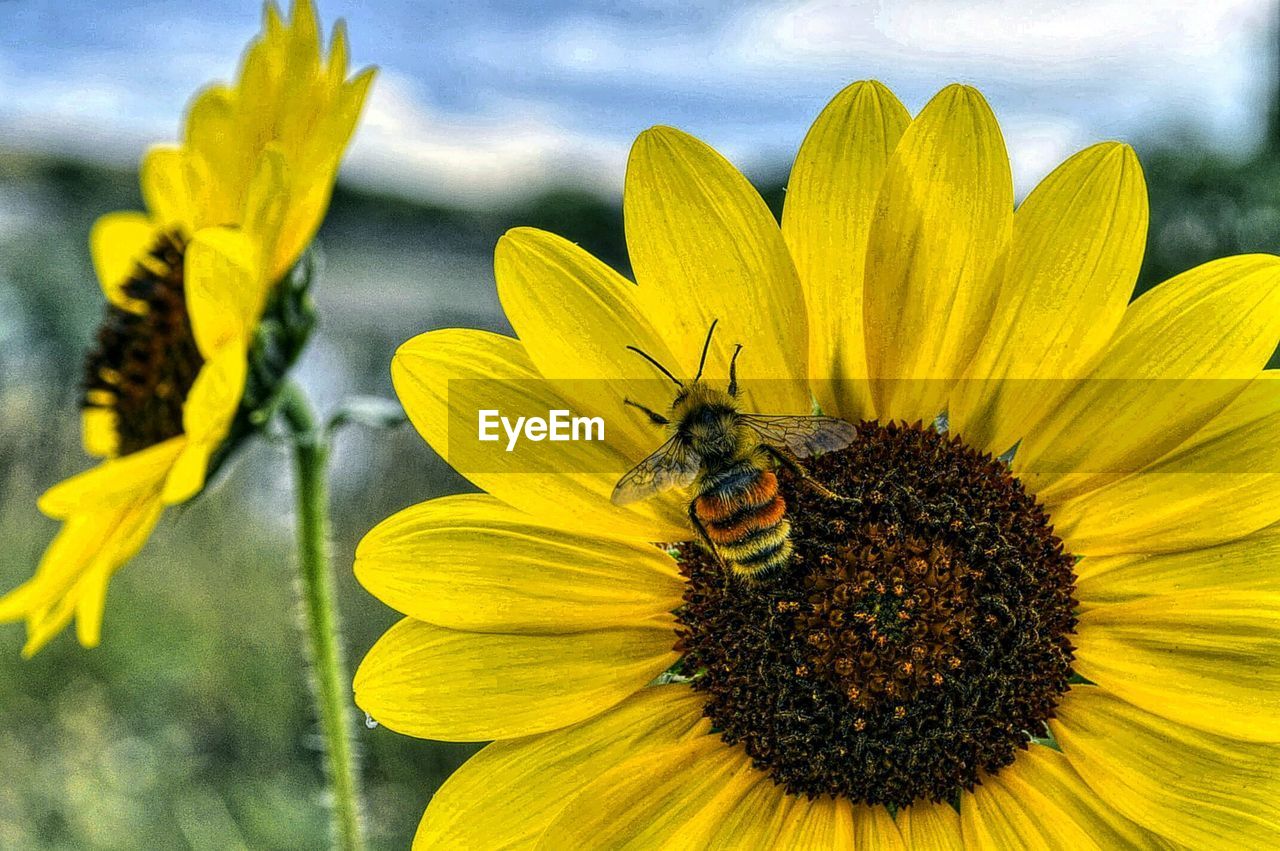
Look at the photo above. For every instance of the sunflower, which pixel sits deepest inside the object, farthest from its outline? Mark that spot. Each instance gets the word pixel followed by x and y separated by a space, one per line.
pixel 1048 619
pixel 229 212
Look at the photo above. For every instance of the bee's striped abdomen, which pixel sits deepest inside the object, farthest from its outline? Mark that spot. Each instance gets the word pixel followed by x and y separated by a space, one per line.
pixel 745 517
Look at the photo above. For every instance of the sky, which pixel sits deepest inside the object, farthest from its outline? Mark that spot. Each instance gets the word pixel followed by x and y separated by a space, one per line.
pixel 480 103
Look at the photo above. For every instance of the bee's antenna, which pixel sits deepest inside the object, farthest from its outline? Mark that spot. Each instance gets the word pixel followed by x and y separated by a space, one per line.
pixel 654 417
pixel 705 347
pixel 660 367
pixel 733 371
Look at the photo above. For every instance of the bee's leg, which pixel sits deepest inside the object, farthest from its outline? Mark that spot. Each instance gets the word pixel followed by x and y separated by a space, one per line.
pixel 786 459
pixel 733 372
pixel 704 537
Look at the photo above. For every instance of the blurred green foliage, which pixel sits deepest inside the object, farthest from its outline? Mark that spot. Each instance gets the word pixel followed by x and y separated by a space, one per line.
pixel 1207 205
pixel 191 724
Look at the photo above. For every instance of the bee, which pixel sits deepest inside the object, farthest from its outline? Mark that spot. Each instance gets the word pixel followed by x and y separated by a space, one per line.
pixel 727 459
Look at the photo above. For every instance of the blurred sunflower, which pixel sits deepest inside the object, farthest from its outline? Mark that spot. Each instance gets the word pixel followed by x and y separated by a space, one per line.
pixel 230 211
pixel 1075 648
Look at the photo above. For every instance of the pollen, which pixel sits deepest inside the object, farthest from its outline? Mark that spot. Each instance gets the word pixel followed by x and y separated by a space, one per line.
pixel 931 614
pixel 145 358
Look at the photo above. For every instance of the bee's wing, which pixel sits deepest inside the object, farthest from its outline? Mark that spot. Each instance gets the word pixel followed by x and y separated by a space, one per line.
pixel 803 436
pixel 672 465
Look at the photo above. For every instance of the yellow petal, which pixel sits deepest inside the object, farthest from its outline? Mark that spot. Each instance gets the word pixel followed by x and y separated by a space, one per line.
pixel 704 246
pixel 72 576
pixel 1207 659
pixel 207 415
pixel 314 168
pixel 941 223
pixel 75 545
pixel 288 100
pixel 204 185
pixel 436 683
pixel 263 68
pixel 874 828
pixel 825 822
pixel 1040 802
pixel 224 288
pixel 763 816
pixel 1077 245
pixel 98 432
pixel 575 317
pixel 1193 788
pixel 112 482
pixel 506 795
pixel 210 120
pixel 673 797
pixel 165 177
pixel 1182 353
pixel 304 41
pixel 187 477
pixel 830 199
pixel 267 203
pixel 117 242
pixel 285 103
pixel 994 816
pixel 1248 564
pixel 471 562
pixel 1220 485
pixel 92 603
pixel 928 825
pixel 214 397
pixel 312 172
pixel 213 137
pixel 272 22
pixel 338 53
pixel 445 378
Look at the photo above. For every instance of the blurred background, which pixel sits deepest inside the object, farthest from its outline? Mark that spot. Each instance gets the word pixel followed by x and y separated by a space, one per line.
pixel 190 726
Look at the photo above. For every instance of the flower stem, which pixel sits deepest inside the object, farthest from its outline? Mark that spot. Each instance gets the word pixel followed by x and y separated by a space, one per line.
pixel 323 639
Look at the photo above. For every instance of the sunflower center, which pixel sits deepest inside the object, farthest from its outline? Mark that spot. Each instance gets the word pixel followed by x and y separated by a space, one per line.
pixel 919 636
pixel 145 358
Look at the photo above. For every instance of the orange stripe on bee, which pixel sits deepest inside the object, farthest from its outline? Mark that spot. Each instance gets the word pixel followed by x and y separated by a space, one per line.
pixel 765 517
pixel 715 507
pixel 764 488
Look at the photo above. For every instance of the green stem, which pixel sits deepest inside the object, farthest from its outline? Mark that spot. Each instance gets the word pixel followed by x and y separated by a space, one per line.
pixel 324 643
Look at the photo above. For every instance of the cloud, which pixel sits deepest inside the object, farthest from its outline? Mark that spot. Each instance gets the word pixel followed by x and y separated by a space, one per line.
pixel 1059 75
pixel 1024 36
pixel 479 106
pixel 511 149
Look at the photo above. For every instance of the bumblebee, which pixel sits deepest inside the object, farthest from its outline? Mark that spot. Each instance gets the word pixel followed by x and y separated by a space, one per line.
pixel 727 459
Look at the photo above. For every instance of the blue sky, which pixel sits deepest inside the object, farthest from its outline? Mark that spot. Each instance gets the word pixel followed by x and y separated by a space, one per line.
pixel 478 102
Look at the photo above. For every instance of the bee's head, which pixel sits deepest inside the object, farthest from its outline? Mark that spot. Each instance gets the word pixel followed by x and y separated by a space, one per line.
pixel 692 394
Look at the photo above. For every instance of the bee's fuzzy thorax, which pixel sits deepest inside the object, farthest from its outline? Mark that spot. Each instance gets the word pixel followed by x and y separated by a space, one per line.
pixel 706 418
pixel 697 395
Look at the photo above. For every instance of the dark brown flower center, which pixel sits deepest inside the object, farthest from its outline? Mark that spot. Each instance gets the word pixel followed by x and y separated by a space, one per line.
pixel 920 635
pixel 146 358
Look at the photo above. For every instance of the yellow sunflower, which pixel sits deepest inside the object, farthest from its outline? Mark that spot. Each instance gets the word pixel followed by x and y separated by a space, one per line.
pixel 230 210
pixel 1073 646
